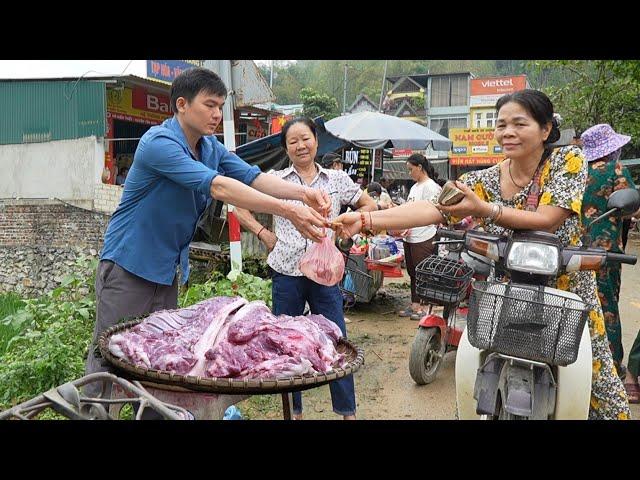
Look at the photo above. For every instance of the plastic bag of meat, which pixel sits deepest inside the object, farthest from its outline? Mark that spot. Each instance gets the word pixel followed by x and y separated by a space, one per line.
pixel 323 263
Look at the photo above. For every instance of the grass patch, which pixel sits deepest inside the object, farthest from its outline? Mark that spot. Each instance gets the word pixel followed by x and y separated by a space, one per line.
pixel 261 407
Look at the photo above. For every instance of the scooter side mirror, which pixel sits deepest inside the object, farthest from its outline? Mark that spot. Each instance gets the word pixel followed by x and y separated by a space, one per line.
pixel 626 201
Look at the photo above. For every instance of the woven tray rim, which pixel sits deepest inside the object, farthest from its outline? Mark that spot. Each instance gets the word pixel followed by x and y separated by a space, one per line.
pixel 228 385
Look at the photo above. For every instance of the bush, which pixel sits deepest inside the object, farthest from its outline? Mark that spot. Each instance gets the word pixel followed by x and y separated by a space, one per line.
pixel 47 338
pixel 51 346
pixel 234 284
pixel 11 323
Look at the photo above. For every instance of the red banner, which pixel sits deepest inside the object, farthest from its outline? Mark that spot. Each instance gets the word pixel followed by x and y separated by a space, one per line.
pixel 475 160
pixel 278 122
pixel 142 99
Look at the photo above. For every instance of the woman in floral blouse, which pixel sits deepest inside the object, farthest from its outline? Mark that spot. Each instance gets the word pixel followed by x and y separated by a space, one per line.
pixel 525 128
pixel 602 147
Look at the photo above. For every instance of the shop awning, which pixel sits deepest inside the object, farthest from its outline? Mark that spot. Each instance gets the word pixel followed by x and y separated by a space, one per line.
pixel 397 169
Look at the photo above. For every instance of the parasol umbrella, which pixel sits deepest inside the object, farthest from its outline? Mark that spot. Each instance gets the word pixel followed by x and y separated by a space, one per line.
pixel 375 130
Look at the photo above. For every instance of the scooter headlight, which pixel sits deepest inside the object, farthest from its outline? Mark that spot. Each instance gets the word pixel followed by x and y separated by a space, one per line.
pixel 532 257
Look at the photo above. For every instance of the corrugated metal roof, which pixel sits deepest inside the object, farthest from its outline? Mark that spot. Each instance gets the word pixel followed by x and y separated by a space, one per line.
pixel 106 78
pixel 41 111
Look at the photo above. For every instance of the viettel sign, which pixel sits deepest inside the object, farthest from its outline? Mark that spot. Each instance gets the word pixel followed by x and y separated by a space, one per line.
pixel 487 90
pixel 498 85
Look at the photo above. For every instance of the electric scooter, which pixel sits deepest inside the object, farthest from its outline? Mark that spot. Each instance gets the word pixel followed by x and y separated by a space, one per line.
pixel 526 350
pixel 442 281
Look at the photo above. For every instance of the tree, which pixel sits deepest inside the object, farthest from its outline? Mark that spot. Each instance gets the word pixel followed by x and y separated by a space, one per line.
pixel 598 91
pixel 317 104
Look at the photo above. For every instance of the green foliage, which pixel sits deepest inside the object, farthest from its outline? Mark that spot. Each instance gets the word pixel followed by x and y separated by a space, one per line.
pixel 599 91
pixel 363 76
pixel 261 407
pixel 318 104
pixel 234 284
pixel 49 336
pixel 52 338
pixel 11 322
pixel 10 303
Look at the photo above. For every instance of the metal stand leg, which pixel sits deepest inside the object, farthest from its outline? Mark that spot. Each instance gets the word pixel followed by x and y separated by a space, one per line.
pixel 287 406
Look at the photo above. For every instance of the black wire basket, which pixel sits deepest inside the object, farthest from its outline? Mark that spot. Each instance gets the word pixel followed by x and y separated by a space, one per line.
pixel 356 282
pixel 441 280
pixel 526 321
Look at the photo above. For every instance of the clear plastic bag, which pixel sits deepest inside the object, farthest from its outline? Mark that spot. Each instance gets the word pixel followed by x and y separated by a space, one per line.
pixel 323 263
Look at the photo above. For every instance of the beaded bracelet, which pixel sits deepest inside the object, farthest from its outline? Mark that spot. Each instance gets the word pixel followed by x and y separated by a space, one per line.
pixel 362 228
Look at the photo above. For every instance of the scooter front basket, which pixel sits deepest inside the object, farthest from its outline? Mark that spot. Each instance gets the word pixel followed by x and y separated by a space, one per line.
pixel 526 321
pixel 441 280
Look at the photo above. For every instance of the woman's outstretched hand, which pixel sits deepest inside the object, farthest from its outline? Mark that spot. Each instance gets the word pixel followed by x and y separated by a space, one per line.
pixel 347 224
pixel 470 205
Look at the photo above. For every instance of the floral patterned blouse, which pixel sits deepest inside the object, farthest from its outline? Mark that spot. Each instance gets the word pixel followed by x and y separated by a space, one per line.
pixel 291 245
pixel 563 182
pixel 605 177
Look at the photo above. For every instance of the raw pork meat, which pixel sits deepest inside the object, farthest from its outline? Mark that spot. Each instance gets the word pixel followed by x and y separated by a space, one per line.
pixel 168 340
pixel 259 344
pixel 228 337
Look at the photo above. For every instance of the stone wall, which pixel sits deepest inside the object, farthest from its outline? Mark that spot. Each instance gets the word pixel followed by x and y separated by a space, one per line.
pixel 107 197
pixel 34 271
pixel 41 242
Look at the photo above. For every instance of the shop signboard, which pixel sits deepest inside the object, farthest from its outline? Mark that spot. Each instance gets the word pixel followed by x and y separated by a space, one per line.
pixel 486 91
pixel 407 152
pixel 167 70
pixel 142 99
pixel 137 105
pixel 358 164
pixel 255 130
pixel 474 146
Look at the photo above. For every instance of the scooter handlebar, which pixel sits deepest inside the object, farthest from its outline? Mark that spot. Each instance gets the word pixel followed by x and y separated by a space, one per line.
pixel 622 258
pixel 453 234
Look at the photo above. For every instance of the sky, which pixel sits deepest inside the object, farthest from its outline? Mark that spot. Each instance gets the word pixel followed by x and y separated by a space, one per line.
pixel 74 68
pixel 70 68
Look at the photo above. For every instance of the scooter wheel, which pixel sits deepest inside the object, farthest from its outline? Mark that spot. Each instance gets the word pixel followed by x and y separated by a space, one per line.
pixel 426 355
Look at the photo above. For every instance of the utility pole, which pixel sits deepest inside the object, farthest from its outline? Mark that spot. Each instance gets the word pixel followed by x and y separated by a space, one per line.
pixel 271 76
pixel 384 77
pixel 344 96
pixel 223 67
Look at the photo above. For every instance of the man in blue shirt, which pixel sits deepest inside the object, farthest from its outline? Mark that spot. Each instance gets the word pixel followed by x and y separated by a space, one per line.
pixel 178 168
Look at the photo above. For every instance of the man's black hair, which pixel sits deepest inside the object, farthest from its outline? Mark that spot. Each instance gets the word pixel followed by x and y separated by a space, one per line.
pixel 193 81
pixel 328 159
pixel 374 187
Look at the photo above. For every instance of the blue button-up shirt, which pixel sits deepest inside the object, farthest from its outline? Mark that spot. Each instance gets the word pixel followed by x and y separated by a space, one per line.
pixel 165 193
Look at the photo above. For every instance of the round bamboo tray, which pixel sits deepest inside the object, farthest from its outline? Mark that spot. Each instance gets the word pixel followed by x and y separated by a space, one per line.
pixel 231 386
